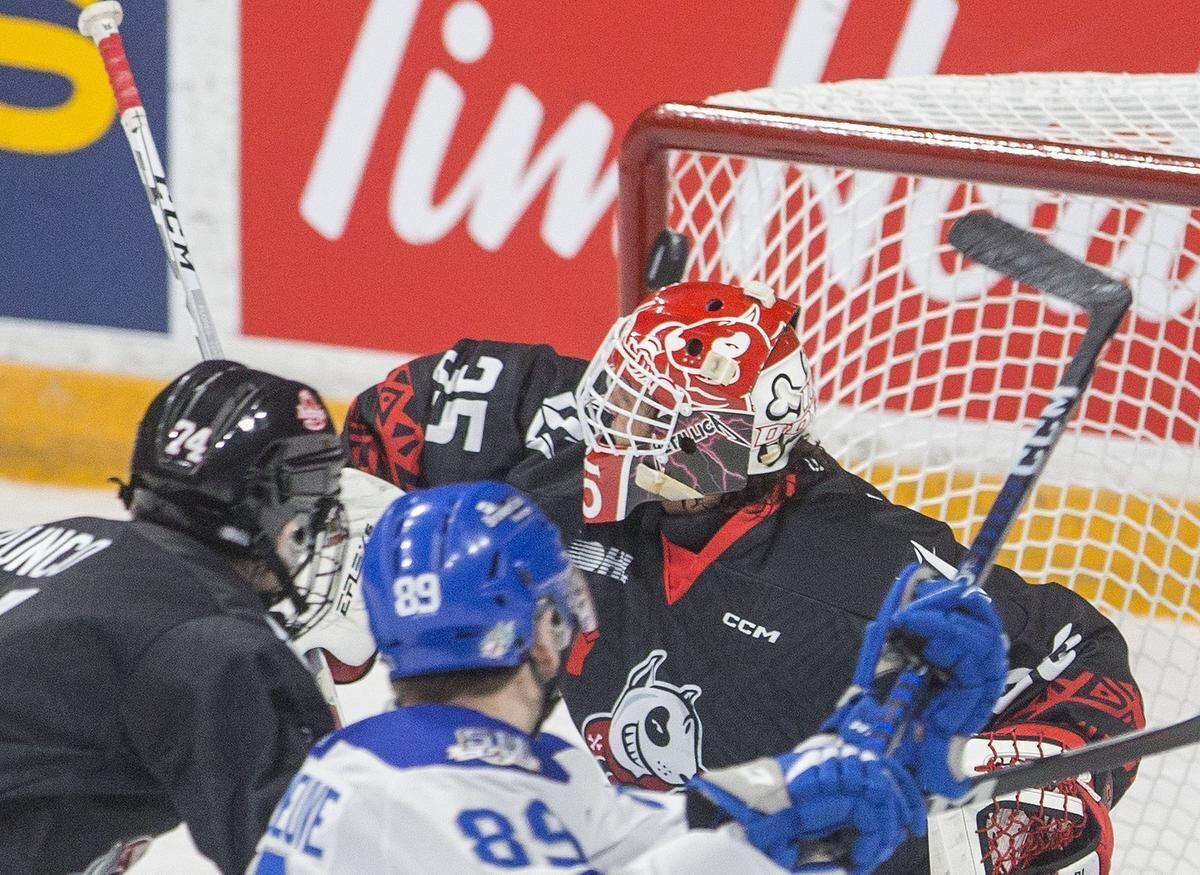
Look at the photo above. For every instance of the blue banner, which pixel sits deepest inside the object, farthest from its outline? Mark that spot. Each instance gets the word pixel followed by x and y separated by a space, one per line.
pixel 77 241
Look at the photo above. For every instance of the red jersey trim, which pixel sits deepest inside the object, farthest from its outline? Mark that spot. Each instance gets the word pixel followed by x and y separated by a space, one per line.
pixel 580 648
pixel 681 566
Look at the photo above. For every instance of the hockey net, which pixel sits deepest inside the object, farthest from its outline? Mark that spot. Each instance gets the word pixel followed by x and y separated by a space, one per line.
pixel 930 372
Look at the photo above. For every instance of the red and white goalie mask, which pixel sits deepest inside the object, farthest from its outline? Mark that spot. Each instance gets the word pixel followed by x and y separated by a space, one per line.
pixel 701 386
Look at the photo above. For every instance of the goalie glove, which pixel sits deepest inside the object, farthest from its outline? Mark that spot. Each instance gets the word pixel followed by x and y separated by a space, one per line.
pixel 955 631
pixel 343 633
pixel 808 808
pixel 1063 829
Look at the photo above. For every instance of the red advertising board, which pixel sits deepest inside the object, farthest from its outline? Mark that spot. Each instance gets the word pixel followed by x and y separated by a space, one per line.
pixel 415 171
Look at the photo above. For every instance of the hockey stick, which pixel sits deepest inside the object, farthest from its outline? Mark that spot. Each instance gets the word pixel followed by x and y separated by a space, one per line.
pixel 100 22
pixel 1100 756
pixel 1028 259
pixel 1018 254
pixel 1024 257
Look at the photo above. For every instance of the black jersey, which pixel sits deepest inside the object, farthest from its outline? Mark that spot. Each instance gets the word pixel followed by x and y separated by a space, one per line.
pixel 722 637
pixel 141 684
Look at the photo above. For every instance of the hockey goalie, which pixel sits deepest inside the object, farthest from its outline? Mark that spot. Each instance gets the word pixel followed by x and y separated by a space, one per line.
pixel 735 563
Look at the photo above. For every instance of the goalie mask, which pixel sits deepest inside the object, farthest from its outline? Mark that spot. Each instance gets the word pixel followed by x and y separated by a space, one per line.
pixel 700 387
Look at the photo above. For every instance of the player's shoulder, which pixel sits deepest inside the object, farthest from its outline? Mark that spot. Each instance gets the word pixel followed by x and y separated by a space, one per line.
pixel 838 527
pixel 510 351
pixel 834 497
pixel 100 567
pixel 518 401
pixel 446 736
pixel 485 360
pixel 49 548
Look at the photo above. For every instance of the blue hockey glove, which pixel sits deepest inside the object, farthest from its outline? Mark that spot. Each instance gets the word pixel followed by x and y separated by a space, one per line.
pixel 955 631
pixel 859 716
pixel 961 637
pixel 826 801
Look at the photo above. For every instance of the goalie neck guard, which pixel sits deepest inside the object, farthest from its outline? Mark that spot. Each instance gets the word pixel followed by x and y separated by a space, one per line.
pixel 699 388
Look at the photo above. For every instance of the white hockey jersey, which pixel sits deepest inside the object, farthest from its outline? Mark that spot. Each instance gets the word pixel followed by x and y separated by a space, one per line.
pixel 438 788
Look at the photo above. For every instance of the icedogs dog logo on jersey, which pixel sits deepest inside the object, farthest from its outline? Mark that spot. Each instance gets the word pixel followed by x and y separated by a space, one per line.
pixel 652 737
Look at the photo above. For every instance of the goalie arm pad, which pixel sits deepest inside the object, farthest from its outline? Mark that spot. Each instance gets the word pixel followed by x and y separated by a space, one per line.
pixel 1060 829
pixel 1069 666
pixel 429 422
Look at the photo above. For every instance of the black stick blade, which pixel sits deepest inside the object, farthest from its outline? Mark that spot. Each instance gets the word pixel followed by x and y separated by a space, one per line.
pixel 1027 258
pixel 667 260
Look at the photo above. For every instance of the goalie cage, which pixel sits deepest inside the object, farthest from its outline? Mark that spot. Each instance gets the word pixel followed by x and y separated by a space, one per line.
pixel 930 375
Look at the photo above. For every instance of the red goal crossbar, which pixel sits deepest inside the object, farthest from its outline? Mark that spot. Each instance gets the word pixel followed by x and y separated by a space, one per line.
pixel 643 164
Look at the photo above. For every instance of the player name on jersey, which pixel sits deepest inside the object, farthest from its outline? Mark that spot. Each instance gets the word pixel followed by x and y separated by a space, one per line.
pixel 43 551
pixel 303 808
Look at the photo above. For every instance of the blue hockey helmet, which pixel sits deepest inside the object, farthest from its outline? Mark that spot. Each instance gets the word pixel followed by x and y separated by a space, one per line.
pixel 455 577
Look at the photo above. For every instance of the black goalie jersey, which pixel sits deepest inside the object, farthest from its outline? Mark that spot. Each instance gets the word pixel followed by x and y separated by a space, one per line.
pixel 723 637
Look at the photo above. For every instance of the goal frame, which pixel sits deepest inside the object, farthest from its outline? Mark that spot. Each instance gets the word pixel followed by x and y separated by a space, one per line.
pixel 644 171
pixel 886 306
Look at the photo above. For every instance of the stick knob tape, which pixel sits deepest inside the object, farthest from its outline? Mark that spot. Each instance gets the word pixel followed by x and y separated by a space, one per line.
pixel 100 21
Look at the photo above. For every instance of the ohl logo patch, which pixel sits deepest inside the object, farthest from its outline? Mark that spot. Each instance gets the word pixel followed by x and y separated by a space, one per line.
pixel 652 738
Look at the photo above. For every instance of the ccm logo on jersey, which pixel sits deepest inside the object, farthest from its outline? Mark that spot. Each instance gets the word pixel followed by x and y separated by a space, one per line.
pixel 746 627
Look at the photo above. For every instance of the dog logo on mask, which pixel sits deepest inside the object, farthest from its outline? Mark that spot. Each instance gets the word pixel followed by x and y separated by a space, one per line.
pixel 652 738
pixel 680 351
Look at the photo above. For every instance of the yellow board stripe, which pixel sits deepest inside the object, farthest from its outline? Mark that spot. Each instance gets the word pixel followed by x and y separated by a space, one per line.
pixel 1136 555
pixel 74 428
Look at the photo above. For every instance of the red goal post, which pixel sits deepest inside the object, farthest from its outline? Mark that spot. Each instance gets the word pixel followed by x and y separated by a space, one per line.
pixel 929 371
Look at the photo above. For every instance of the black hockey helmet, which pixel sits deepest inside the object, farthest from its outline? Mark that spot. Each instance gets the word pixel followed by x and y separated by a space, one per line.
pixel 231 455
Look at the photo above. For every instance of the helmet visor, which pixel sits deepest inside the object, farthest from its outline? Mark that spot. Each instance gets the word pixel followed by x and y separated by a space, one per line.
pixel 315 475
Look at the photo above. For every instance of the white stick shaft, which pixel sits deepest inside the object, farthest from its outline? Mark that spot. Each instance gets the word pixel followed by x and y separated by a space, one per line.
pixel 100 22
pixel 141 143
pixel 319 667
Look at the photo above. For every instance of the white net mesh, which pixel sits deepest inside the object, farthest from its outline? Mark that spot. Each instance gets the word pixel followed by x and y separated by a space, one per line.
pixel 930 375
